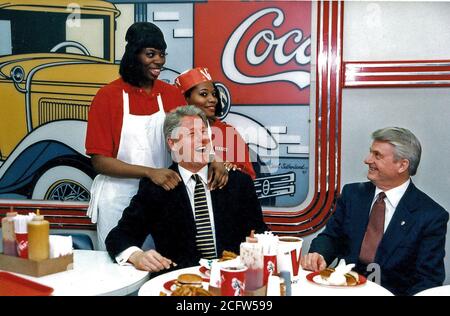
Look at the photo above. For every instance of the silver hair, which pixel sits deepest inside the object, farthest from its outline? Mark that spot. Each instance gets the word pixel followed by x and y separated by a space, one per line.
pixel 406 145
pixel 173 119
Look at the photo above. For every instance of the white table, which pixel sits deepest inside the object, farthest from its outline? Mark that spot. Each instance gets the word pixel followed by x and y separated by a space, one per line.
pixel 436 291
pixel 94 273
pixel 154 286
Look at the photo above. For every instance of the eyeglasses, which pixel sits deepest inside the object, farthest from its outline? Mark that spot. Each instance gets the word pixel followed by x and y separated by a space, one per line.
pixel 152 53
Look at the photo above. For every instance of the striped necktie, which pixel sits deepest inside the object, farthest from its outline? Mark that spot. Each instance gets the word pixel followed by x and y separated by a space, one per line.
pixel 204 237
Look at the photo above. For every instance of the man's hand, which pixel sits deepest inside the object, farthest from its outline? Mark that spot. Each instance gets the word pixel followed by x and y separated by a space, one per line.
pixel 313 261
pixel 166 178
pixel 217 175
pixel 150 261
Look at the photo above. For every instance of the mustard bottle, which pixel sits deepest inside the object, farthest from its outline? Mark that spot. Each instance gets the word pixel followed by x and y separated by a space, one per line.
pixel 38 238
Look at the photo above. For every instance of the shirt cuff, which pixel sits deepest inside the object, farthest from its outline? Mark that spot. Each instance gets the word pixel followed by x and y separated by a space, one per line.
pixel 122 258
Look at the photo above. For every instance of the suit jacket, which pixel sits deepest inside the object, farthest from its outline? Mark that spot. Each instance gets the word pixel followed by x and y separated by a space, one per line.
pixel 168 217
pixel 411 252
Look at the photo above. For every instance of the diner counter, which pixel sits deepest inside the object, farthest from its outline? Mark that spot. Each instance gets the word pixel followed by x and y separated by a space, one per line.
pixel 155 286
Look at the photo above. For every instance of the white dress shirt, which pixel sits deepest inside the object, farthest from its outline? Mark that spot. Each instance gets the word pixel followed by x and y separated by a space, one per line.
pixel 189 182
pixel 391 200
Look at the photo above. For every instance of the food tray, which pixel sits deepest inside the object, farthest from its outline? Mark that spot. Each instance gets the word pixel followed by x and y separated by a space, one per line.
pixel 13 285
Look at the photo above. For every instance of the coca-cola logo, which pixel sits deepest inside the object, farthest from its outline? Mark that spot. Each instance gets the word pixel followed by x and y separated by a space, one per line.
pixel 22 246
pixel 274 48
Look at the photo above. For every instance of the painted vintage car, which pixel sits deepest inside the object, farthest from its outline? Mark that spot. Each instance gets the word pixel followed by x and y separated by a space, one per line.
pixel 46 86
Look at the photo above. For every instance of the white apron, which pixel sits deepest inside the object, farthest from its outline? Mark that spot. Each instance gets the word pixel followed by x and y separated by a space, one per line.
pixel 141 143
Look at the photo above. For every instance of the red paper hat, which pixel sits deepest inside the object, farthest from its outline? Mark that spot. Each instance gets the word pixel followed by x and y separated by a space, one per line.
pixel 191 78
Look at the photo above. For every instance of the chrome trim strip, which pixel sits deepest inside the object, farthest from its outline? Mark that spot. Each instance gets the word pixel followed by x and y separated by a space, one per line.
pixel 372 83
pixel 419 64
pixel 410 73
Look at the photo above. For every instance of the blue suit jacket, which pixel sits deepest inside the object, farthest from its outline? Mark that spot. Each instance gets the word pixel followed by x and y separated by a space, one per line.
pixel 411 253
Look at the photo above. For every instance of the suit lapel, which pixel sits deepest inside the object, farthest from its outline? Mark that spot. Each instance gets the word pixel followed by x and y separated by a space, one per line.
pixel 184 204
pixel 402 221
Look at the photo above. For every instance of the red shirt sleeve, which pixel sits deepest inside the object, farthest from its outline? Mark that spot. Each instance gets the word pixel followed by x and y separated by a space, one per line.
pixel 103 123
pixel 228 142
pixel 246 164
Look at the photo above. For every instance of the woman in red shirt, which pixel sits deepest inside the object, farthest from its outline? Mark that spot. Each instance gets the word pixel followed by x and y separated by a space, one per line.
pixel 125 132
pixel 199 90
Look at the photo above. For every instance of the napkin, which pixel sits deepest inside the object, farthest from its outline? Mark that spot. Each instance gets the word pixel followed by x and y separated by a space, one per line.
pixel 273 285
pixel 207 263
pixel 338 276
pixel 60 245
pixel 269 243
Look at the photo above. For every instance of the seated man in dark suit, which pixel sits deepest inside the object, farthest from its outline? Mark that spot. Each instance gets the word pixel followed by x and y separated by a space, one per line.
pixel 189 222
pixel 387 221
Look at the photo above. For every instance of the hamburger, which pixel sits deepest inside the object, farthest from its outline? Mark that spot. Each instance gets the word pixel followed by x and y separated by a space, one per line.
pixel 189 279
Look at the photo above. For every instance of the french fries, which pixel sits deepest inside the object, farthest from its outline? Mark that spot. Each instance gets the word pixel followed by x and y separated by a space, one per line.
pixel 227 255
pixel 188 290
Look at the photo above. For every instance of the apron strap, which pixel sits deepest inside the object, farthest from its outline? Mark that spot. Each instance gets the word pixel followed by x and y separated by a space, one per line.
pixel 126 105
pixel 160 103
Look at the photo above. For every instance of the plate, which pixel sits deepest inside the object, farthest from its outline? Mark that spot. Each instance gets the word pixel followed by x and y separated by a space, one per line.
pixel 13 285
pixel 205 271
pixel 315 278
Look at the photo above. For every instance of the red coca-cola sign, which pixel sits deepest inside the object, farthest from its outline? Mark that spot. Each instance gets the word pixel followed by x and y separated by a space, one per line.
pixel 259 50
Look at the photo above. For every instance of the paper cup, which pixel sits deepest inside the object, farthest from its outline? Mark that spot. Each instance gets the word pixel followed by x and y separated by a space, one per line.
pixel 270 267
pixel 22 245
pixel 288 259
pixel 233 281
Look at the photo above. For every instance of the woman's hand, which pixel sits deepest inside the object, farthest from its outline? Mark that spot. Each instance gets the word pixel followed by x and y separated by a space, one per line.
pixel 166 178
pixel 231 166
pixel 217 175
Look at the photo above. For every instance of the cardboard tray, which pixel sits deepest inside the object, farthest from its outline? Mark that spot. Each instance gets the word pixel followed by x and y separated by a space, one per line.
pixel 36 268
pixel 215 291
pixel 13 285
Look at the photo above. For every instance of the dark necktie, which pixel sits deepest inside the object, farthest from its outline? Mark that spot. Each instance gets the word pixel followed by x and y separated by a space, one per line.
pixel 204 237
pixel 375 230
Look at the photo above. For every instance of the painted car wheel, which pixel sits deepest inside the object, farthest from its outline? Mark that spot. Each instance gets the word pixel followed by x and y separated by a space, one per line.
pixel 63 183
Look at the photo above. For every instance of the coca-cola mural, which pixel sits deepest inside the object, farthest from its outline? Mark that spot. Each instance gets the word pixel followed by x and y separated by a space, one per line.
pixel 260 54
pixel 257 51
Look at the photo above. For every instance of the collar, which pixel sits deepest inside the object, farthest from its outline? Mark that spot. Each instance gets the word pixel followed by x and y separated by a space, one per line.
pixel 186 175
pixel 130 88
pixel 394 195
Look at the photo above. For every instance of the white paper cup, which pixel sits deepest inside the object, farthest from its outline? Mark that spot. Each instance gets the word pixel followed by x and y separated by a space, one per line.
pixel 288 258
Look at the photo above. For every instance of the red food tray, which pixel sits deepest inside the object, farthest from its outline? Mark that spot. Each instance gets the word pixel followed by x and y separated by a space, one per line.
pixel 13 285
